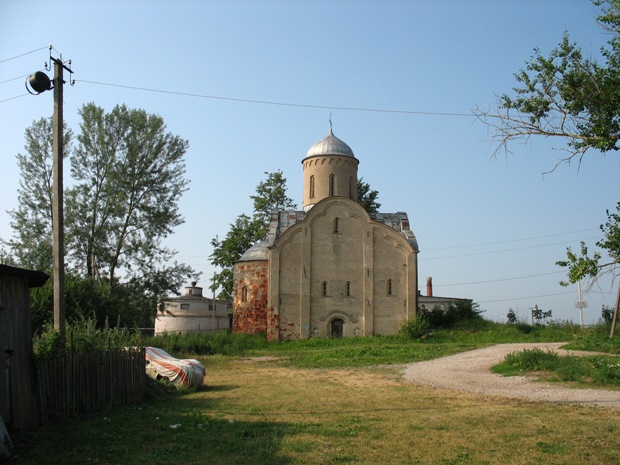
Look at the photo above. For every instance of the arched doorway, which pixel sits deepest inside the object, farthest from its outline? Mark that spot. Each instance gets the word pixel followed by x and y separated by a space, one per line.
pixel 336 328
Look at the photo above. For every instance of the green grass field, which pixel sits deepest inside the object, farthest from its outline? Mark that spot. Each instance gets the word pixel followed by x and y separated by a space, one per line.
pixel 325 401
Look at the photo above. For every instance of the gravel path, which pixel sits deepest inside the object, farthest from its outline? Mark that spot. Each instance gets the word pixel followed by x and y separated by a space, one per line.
pixel 470 371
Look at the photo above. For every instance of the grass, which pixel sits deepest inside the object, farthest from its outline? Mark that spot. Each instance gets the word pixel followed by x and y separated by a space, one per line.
pixel 264 413
pixel 583 370
pixel 331 402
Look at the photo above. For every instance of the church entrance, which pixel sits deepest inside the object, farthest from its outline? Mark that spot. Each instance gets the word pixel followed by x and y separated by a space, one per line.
pixel 336 327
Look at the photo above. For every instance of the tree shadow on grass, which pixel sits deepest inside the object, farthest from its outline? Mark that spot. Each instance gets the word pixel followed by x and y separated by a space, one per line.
pixel 181 430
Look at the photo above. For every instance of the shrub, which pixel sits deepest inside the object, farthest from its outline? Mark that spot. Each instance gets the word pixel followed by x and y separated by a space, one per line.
pixel 83 336
pixel 532 360
pixel 415 327
pixel 445 317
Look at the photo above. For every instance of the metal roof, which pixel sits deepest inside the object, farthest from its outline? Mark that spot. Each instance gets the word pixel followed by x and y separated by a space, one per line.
pixel 330 145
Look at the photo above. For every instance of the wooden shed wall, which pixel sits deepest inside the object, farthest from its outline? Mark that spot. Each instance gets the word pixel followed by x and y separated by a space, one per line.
pixel 18 405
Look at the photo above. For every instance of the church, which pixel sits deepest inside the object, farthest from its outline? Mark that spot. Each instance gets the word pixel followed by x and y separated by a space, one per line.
pixel 331 269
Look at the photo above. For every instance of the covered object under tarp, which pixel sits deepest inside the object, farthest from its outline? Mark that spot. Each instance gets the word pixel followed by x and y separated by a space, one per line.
pixel 186 372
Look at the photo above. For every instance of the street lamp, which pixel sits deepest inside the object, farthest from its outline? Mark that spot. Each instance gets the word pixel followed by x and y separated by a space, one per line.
pixel 40 82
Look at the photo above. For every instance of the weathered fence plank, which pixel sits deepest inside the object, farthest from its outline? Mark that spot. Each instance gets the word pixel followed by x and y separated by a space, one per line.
pixel 79 383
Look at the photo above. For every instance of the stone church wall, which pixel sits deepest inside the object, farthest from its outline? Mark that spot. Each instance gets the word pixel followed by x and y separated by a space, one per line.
pixel 250 312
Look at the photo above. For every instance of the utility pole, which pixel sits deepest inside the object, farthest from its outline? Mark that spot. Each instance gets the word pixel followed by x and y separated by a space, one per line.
pixel 57 206
pixel 40 82
pixel 580 304
pixel 614 321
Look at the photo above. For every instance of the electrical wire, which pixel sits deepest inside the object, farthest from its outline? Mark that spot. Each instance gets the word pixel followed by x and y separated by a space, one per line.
pixel 506 250
pixel 14 79
pixel 523 298
pixel 24 54
pixel 501 279
pixel 13 98
pixel 284 104
pixel 510 240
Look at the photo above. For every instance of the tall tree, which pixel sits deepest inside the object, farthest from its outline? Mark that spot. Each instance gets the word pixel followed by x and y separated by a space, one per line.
pixel 242 235
pixel 31 246
pixel 367 197
pixel 566 95
pixel 130 176
pixel 247 231
pixel 270 195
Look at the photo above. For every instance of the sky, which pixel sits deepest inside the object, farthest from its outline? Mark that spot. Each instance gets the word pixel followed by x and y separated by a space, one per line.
pixel 252 85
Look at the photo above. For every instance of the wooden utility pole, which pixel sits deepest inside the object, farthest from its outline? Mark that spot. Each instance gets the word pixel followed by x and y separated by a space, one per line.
pixel 58 233
pixel 614 321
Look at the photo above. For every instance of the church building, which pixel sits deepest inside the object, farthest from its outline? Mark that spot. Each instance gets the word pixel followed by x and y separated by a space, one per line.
pixel 331 269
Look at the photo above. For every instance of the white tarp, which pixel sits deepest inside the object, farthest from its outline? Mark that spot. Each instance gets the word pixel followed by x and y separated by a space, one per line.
pixel 187 372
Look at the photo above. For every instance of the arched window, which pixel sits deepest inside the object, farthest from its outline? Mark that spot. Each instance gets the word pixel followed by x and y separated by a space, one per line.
pixel 312 186
pixel 332 185
pixel 347 289
pixel 351 188
pixel 324 289
pixel 389 287
pixel 244 294
pixel 336 225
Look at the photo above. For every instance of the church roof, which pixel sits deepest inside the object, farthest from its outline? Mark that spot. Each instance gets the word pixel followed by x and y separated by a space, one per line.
pixel 330 145
pixel 283 219
pixel 258 251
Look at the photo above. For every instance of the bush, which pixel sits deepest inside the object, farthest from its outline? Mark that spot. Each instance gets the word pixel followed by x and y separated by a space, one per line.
pixel 532 360
pixel 415 327
pixel 84 336
pixel 220 342
pixel 445 317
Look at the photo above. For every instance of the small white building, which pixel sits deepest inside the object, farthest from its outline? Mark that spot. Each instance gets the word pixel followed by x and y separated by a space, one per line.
pixel 192 313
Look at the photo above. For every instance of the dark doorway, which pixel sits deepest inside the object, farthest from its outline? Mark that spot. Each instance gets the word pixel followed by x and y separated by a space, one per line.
pixel 336 327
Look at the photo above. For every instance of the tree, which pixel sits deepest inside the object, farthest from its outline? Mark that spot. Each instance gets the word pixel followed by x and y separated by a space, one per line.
pixel 247 231
pixel 270 195
pixel 581 266
pixel 539 315
pixel 128 175
pixel 512 317
pixel 31 246
pixel 367 197
pixel 243 234
pixel 567 95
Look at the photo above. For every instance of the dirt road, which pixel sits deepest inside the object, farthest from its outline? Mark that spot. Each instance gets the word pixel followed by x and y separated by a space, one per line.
pixel 470 371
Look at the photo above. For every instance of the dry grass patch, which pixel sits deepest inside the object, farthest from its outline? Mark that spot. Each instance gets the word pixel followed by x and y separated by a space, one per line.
pixel 370 416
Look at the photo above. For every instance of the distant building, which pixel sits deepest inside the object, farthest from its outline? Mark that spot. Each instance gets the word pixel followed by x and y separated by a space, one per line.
pixel 430 301
pixel 332 269
pixel 192 312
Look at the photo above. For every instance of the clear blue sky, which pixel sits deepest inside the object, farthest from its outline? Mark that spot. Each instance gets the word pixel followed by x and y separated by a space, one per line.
pixel 489 229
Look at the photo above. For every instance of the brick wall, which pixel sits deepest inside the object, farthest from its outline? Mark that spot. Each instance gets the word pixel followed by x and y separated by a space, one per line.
pixel 250 315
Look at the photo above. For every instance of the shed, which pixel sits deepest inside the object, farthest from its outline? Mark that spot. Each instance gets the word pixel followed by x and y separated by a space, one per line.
pixel 18 399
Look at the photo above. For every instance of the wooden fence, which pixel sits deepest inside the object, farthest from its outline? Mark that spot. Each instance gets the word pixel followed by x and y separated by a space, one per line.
pixel 79 383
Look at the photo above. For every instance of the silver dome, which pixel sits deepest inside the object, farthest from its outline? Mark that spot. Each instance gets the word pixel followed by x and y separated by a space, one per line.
pixel 258 251
pixel 330 145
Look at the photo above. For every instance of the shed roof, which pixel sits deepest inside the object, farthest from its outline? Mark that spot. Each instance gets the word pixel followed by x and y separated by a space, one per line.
pixel 35 278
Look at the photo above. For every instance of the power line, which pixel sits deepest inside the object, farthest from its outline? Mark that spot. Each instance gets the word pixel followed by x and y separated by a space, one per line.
pixel 523 298
pixel 284 104
pixel 15 78
pixel 500 280
pixel 510 240
pixel 13 98
pixel 505 250
pixel 24 54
